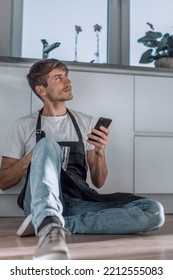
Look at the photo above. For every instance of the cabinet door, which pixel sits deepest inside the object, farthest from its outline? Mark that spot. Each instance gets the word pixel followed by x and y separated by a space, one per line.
pixel 15 101
pixel 153 165
pixel 153 104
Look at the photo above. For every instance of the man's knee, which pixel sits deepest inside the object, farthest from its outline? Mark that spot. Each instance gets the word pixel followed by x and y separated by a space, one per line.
pixel 155 213
pixel 47 144
pixel 159 213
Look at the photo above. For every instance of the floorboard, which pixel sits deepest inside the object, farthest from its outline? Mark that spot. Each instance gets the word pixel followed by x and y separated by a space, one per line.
pixel 157 245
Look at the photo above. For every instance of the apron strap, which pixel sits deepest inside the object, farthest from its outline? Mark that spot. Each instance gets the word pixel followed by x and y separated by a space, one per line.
pixel 75 125
pixel 40 133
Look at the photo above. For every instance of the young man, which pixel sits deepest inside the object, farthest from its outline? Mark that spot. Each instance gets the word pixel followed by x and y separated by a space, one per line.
pixel 54 199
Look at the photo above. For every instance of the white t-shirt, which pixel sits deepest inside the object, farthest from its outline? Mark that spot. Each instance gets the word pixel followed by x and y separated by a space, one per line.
pixel 21 138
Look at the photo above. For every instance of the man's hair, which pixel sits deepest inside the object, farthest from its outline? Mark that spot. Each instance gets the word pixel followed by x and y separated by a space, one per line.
pixel 39 71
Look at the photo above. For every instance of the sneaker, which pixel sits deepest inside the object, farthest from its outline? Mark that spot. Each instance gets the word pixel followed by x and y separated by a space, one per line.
pixel 26 228
pixel 51 244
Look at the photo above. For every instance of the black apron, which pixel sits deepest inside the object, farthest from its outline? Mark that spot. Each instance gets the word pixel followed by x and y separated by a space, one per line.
pixel 73 180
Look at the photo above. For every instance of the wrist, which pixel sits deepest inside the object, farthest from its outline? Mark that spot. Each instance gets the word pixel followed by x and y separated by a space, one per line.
pixel 99 152
pixel 25 161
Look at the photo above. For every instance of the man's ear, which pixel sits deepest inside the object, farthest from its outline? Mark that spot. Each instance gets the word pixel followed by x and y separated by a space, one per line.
pixel 40 90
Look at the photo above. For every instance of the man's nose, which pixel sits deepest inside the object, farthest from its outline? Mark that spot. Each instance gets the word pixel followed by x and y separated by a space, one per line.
pixel 67 80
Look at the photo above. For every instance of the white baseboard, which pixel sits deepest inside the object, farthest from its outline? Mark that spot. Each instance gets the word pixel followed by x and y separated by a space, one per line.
pixel 9 207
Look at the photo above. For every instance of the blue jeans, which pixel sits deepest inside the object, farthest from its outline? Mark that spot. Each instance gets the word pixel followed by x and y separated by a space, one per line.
pixel 44 198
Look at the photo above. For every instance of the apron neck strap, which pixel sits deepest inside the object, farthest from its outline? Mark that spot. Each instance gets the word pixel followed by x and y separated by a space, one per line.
pixel 75 125
pixel 40 133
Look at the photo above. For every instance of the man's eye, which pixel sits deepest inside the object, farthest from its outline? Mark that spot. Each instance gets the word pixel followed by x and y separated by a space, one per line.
pixel 57 77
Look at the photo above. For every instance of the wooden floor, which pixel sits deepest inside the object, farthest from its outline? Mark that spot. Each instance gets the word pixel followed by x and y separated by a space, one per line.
pixel 157 245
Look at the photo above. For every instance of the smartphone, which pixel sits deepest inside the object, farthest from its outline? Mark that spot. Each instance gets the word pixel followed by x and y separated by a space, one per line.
pixel 101 122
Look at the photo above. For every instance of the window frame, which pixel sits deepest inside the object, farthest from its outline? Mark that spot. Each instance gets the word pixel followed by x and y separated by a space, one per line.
pixel 118 44
pixel 118 30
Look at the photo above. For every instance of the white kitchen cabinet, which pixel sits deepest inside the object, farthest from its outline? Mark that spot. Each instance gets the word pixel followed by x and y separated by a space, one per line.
pixel 153 169
pixel 153 137
pixel 153 104
pixel 100 94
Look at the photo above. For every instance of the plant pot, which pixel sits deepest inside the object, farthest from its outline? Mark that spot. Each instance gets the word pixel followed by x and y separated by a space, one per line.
pixel 164 62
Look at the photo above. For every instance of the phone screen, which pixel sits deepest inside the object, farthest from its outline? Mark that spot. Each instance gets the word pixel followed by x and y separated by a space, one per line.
pixel 101 122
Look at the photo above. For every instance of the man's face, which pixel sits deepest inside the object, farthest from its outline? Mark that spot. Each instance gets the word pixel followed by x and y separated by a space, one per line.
pixel 59 86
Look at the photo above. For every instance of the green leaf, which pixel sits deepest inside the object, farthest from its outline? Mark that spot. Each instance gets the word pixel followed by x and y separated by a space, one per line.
pixel 150 36
pixel 147 57
pixel 170 42
pixel 160 45
pixel 163 45
pixel 150 39
pixel 154 35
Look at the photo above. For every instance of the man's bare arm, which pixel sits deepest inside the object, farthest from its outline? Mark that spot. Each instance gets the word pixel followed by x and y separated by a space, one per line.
pixel 96 157
pixel 98 168
pixel 12 170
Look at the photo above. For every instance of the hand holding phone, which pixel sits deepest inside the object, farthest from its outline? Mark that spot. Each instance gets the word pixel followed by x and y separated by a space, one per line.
pixel 101 122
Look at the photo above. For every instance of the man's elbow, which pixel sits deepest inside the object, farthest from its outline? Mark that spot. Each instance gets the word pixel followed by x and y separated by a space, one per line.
pixel 4 185
pixel 2 188
pixel 99 183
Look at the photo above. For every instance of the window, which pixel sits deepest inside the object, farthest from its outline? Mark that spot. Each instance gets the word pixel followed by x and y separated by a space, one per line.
pixel 123 23
pixel 55 21
pixel 157 12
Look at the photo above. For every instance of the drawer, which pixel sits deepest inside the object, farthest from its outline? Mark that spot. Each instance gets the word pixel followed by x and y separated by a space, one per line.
pixel 153 168
pixel 153 104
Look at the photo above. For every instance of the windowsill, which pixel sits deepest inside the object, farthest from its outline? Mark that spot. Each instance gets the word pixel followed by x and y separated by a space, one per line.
pixel 95 67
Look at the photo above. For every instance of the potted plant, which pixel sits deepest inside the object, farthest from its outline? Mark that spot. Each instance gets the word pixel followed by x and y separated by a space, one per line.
pixel 160 48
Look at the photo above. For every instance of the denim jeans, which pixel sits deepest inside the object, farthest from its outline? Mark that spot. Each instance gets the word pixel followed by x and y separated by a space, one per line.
pixel 44 198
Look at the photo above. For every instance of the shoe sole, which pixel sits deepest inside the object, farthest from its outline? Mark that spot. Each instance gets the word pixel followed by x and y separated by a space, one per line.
pixel 26 228
pixel 53 256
